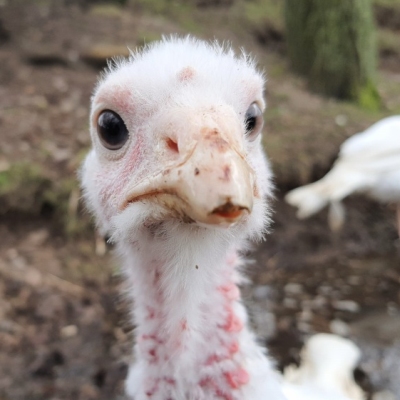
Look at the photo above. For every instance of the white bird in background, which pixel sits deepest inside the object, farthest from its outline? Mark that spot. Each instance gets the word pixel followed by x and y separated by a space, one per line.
pixel 326 371
pixel 368 162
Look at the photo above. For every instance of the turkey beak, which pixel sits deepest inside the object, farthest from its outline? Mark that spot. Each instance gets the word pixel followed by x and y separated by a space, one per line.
pixel 213 184
pixel 216 182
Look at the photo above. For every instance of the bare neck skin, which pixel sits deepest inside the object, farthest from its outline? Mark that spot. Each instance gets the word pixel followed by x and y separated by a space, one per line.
pixel 190 323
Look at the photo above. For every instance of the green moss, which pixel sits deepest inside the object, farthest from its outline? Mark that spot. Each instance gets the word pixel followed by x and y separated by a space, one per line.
pixel 20 187
pixel 26 188
pixel 333 44
pixel 19 175
pixel 61 196
pixel 368 97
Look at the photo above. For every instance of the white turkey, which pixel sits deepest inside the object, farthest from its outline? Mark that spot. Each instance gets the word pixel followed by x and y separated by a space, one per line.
pixel 178 178
pixel 368 162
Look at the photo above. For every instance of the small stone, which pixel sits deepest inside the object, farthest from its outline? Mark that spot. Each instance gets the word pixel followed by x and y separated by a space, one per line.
pixel 69 331
pixel 384 395
pixel 288 302
pixel 346 305
pixel 306 315
pixel 264 322
pixel 354 280
pixel 293 288
pixel 304 326
pixel 261 292
pixel 341 120
pixel 325 290
pixel 339 327
pixel 318 302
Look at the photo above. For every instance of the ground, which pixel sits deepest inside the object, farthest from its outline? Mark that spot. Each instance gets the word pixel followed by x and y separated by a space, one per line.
pixel 64 327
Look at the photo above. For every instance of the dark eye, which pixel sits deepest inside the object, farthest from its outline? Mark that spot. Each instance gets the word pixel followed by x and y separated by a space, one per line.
pixel 253 121
pixel 112 130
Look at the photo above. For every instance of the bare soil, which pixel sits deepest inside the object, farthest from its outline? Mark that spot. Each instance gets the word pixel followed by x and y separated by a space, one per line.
pixel 64 328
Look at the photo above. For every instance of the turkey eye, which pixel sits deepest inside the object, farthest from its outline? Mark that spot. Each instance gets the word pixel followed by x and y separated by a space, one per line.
pixel 112 130
pixel 253 121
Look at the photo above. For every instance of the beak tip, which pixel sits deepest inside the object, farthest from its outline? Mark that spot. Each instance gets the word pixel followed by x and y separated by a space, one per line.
pixel 229 212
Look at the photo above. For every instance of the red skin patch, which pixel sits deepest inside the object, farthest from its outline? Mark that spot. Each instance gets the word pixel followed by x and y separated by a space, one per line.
pixel 114 184
pixel 153 387
pixel 233 323
pixel 227 173
pixel 237 378
pixel 152 353
pixel 170 381
pixel 151 313
pixel 155 338
pixel 133 159
pixel 184 325
pixel 222 395
pixel 213 359
pixel 119 98
pixel 234 347
pixel 231 291
pixel 186 74
pixel 209 383
pixel 232 259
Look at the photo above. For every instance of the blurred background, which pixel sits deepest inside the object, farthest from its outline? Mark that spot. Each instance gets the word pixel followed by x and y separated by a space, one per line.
pixel 64 328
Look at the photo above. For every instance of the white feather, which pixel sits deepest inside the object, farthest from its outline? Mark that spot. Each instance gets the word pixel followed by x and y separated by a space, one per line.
pixel 177 271
pixel 368 162
pixel 326 371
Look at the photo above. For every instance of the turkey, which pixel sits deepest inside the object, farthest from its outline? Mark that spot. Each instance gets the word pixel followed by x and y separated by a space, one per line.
pixel 368 162
pixel 178 178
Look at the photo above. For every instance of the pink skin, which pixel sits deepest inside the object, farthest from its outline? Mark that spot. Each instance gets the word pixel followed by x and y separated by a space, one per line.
pixel 112 190
pixel 155 347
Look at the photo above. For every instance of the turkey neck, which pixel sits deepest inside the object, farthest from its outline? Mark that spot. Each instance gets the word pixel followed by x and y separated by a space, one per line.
pixel 186 307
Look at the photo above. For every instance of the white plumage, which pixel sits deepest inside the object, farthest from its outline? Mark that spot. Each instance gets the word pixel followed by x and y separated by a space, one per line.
pixel 368 162
pixel 326 371
pixel 178 177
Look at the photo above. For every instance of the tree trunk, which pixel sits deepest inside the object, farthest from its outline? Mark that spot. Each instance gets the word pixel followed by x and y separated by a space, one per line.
pixel 332 43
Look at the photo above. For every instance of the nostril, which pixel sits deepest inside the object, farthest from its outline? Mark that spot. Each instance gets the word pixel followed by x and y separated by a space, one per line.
pixel 172 145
